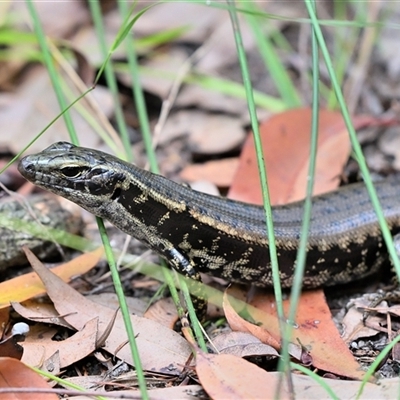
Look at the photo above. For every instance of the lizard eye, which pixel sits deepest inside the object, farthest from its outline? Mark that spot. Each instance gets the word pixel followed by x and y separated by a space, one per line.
pixel 71 172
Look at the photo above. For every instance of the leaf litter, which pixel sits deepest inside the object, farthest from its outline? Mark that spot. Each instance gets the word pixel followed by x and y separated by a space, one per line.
pixel 190 95
pixel 161 349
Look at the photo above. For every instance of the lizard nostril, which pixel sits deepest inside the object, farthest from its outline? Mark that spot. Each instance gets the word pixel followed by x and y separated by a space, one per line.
pixel 26 167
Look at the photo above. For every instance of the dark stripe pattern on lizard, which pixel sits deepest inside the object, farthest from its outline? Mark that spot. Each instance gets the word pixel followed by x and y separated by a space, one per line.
pixel 196 232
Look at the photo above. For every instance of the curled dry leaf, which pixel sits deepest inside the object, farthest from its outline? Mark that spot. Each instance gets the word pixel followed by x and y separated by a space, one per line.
pixel 161 349
pixel 237 323
pixel 40 346
pixel 242 344
pixel 314 330
pixel 353 325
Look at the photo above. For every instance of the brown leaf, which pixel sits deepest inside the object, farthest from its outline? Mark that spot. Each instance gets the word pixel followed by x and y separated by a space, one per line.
pixel 161 349
pixel 135 305
pixel 164 312
pixel 9 347
pixel 70 350
pixel 58 20
pixel 314 330
pixel 29 285
pixel 286 146
pixel 306 387
pixel 353 323
pixel 15 374
pixel 237 323
pixel 39 310
pixel 215 133
pixel 225 376
pixel 25 112
pixel 219 172
pixel 242 344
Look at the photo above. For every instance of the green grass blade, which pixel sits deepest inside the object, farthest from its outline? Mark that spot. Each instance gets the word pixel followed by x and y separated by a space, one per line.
pixel 262 171
pixel 138 91
pixel 321 381
pixel 110 78
pixel 272 62
pixel 302 250
pixel 353 137
pixel 124 309
pixel 52 71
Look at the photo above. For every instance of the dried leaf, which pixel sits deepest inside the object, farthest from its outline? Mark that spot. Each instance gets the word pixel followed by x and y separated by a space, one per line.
pixel 29 285
pixel 314 330
pixel 9 347
pixel 70 350
pixel 286 146
pixel 242 344
pixel 161 349
pixel 164 312
pixel 225 376
pixel 219 172
pixel 15 374
pixel 237 323
pixel 354 326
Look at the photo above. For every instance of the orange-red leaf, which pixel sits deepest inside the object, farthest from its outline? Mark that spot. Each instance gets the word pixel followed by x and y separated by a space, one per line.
pixel 29 285
pixel 286 146
pixel 15 374
pixel 314 330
